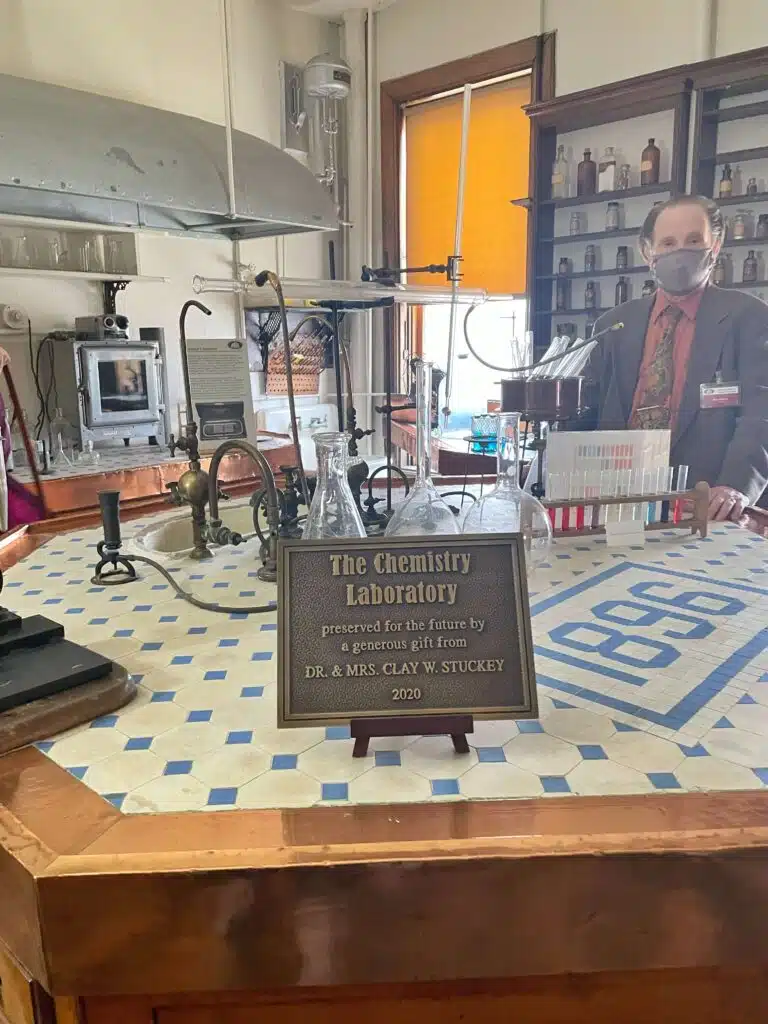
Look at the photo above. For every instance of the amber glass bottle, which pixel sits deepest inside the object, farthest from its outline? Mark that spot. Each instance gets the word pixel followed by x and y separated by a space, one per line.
pixel 650 161
pixel 586 175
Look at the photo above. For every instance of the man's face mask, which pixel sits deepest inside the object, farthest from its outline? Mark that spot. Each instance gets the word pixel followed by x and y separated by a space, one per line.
pixel 682 270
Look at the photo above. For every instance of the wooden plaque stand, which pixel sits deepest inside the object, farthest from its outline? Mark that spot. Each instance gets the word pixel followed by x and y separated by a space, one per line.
pixel 455 726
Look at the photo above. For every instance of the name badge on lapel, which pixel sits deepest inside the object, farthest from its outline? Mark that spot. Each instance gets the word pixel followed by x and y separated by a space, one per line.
pixel 720 395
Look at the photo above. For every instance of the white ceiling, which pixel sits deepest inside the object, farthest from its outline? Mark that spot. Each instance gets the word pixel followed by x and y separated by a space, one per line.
pixel 334 8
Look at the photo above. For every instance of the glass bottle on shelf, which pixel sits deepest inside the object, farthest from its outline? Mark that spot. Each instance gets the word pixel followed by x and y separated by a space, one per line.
pixel 333 512
pixel 88 456
pixel 622 257
pixel 650 162
pixel 726 183
pixel 649 287
pixel 606 174
pixel 622 290
pixel 590 259
pixel 752 187
pixel 718 272
pixel 576 224
pixel 613 217
pixel 586 175
pixel 563 285
pixel 590 295
pixel 749 270
pixel 624 177
pixel 762 226
pixel 560 175
pixel 508 508
pixel 740 225
pixel 423 513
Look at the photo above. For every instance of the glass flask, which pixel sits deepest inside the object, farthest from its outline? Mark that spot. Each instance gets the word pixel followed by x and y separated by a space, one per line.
pixel 423 513
pixel 508 508
pixel 333 512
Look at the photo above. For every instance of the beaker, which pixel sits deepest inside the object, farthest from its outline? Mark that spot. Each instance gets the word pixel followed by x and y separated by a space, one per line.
pixel 333 512
pixel 423 513
pixel 508 508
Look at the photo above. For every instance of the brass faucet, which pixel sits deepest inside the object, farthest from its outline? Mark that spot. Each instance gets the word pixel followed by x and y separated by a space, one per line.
pixel 192 486
pixel 220 534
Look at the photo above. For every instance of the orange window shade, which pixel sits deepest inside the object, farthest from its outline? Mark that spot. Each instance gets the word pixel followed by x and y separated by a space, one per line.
pixel 494 242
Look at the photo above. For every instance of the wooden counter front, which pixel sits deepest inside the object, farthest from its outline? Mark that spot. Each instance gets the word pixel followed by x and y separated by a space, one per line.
pixel 588 909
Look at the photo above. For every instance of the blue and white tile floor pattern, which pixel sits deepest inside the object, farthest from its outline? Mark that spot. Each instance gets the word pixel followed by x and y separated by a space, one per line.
pixel 652 668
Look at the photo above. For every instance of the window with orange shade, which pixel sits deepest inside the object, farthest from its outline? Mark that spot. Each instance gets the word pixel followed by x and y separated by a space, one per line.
pixel 494 241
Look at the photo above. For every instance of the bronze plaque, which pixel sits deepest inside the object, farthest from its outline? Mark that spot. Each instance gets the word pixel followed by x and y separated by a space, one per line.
pixel 371 628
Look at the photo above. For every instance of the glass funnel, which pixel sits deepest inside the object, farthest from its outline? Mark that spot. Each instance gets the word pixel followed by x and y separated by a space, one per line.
pixel 423 513
pixel 507 508
pixel 333 512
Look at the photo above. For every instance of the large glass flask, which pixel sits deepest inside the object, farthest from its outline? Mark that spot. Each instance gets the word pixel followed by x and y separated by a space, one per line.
pixel 333 512
pixel 507 508
pixel 423 513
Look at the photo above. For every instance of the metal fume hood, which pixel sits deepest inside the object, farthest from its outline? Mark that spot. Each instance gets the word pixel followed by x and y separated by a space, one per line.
pixel 76 156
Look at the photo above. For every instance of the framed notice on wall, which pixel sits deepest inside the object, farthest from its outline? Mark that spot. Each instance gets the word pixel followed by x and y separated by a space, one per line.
pixel 377 629
pixel 220 382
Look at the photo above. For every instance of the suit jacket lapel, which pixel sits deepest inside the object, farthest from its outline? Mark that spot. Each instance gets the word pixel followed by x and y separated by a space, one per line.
pixel 628 352
pixel 706 350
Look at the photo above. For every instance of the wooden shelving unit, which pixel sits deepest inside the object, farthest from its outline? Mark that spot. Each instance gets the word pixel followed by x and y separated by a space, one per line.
pixel 624 116
pixel 731 126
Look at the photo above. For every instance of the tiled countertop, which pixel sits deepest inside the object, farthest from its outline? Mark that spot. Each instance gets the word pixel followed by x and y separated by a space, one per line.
pixel 652 670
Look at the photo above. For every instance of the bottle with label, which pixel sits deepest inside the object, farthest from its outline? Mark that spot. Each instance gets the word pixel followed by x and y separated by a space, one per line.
pixel 590 259
pixel 622 290
pixel 623 179
pixel 613 217
pixel 563 285
pixel 726 183
pixel 590 295
pixel 622 257
pixel 560 175
pixel 740 225
pixel 749 270
pixel 650 161
pixel 606 175
pixel 752 187
pixel 649 287
pixel 586 175
pixel 718 272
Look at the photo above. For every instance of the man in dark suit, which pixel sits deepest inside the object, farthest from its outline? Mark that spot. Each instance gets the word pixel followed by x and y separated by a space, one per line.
pixel 649 373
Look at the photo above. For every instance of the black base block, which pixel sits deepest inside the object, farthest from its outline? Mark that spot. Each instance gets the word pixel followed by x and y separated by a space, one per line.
pixel 29 673
pixel 34 631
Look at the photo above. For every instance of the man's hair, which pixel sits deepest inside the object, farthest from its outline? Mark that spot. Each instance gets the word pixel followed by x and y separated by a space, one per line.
pixel 710 208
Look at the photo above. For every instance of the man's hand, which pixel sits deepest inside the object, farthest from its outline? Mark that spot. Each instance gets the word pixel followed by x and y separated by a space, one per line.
pixel 4 359
pixel 725 503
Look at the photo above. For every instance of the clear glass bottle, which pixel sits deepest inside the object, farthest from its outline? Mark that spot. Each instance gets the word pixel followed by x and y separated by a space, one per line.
pixel 333 512
pixel 423 513
pixel 590 259
pixel 613 217
pixel 762 226
pixel 606 174
pixel 62 440
pixel 88 456
pixel 752 187
pixel 718 273
pixel 590 295
pixel 740 225
pixel 576 224
pixel 624 177
pixel 508 508
pixel 560 175
pixel 622 291
pixel 622 257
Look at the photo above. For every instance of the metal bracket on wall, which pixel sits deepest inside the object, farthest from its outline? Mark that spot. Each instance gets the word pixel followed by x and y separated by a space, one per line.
pixel 111 288
pixel 294 128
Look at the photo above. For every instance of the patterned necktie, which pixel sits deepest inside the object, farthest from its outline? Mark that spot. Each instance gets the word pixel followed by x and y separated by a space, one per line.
pixel 654 406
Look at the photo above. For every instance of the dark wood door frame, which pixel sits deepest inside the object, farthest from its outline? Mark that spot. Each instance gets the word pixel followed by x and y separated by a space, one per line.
pixel 536 53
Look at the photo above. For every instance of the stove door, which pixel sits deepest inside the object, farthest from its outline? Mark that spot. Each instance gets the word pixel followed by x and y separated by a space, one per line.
pixel 121 384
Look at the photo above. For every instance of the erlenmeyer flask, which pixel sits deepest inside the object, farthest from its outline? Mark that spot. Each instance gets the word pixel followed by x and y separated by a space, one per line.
pixel 333 512
pixel 507 508
pixel 423 513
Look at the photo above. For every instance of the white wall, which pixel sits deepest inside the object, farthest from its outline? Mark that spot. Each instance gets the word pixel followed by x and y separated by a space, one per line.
pixel 598 41
pixel 164 53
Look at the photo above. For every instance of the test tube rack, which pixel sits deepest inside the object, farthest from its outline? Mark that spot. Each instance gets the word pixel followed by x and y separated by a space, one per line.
pixel 679 510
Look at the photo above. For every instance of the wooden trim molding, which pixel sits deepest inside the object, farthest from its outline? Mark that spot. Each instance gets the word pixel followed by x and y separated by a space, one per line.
pixel 104 903
pixel 536 52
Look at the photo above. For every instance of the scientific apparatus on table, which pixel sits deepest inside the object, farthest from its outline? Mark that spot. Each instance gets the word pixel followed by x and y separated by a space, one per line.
pixel 507 508
pixel 333 512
